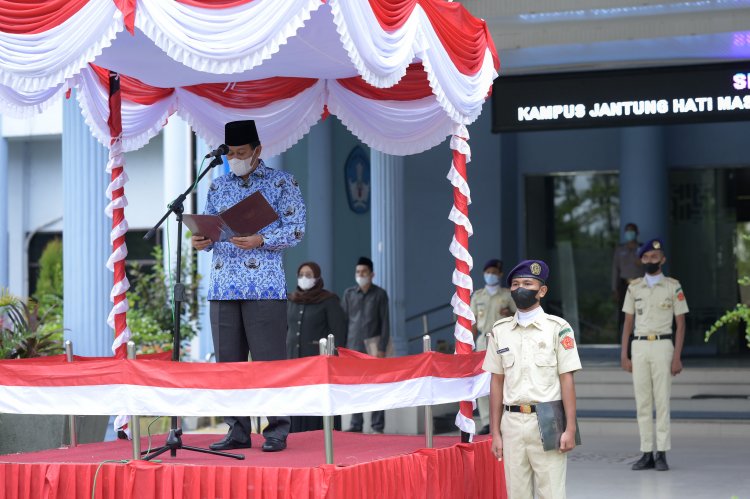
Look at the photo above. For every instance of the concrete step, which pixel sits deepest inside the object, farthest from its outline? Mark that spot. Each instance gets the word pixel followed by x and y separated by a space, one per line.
pixel 688 409
pixel 711 428
pixel 613 382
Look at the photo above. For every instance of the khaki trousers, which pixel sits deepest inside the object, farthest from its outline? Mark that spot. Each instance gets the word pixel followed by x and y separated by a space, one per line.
pixel 524 458
pixel 483 403
pixel 652 381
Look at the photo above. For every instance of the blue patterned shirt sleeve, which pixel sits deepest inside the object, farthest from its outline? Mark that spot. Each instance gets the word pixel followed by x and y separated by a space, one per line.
pixel 256 274
pixel 289 229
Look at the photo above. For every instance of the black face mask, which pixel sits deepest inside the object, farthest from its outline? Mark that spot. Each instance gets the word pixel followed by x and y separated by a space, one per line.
pixel 524 298
pixel 651 268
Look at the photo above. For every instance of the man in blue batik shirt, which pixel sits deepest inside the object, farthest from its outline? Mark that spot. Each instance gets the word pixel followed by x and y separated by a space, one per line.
pixel 247 290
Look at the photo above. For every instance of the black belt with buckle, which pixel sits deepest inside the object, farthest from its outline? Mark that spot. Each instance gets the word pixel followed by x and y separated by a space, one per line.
pixel 526 408
pixel 654 337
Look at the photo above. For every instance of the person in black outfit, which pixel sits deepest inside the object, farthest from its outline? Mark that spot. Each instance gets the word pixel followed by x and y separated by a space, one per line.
pixel 312 313
pixel 368 327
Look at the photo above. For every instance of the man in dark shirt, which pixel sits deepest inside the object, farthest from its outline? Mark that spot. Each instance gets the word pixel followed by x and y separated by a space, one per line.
pixel 626 267
pixel 366 308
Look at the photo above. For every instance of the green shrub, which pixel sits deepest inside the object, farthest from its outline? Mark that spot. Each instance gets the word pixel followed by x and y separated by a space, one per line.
pixel 150 316
pixel 25 331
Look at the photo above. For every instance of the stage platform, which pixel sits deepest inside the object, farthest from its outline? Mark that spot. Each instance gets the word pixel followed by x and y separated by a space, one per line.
pixel 366 466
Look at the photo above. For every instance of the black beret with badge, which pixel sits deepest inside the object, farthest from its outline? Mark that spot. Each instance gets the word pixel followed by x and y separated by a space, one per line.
pixel 498 264
pixel 536 269
pixel 653 244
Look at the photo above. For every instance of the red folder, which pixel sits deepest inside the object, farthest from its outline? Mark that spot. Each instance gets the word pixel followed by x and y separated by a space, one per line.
pixel 243 219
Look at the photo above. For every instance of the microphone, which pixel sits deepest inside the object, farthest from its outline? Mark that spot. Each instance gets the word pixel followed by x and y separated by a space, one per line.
pixel 222 150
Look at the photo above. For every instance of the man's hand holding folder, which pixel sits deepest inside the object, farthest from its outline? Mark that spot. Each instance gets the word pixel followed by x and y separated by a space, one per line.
pixel 239 224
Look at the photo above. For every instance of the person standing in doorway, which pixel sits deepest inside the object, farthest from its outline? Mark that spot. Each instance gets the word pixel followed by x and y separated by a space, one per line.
pixel 366 308
pixel 626 266
pixel 532 357
pixel 247 288
pixel 651 303
pixel 489 304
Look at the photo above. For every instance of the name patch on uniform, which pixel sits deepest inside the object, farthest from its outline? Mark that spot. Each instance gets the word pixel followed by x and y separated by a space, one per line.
pixel 564 331
pixel 503 350
pixel 567 343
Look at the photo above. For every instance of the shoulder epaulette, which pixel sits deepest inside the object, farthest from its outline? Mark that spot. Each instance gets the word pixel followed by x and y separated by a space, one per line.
pixel 503 320
pixel 558 320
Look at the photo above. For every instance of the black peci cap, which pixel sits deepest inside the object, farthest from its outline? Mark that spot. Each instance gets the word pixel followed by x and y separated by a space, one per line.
pixel 238 133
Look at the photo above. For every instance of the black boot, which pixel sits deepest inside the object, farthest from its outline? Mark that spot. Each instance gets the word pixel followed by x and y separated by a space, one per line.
pixel 646 462
pixel 661 461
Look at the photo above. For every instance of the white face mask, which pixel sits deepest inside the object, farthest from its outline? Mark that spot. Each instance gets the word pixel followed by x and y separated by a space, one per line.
pixel 242 167
pixel 306 283
pixel 362 281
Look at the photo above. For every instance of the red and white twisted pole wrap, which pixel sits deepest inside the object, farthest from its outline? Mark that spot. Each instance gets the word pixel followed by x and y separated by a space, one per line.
pixel 459 248
pixel 116 211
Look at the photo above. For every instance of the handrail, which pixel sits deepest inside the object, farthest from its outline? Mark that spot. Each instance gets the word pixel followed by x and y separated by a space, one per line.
pixel 431 331
pixel 428 312
pixel 426 331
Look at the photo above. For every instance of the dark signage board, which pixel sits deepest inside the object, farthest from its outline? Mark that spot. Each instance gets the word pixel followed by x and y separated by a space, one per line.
pixel 648 96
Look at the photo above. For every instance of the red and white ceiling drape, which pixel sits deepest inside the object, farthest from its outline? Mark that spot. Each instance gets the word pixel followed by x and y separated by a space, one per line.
pixel 401 75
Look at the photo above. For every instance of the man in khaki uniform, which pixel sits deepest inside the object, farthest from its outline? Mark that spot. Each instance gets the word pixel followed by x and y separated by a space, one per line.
pixel 489 304
pixel 532 357
pixel 650 303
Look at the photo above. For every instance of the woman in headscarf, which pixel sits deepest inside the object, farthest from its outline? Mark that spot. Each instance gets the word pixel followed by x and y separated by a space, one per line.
pixel 312 313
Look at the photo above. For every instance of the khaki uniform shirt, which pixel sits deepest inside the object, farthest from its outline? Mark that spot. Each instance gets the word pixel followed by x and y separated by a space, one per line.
pixel 487 307
pixel 531 358
pixel 654 307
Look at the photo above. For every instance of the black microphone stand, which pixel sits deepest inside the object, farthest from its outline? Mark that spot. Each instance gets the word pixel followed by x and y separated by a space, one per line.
pixel 174 439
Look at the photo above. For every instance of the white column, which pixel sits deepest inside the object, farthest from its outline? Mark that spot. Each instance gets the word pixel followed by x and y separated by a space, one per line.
pixel 387 230
pixel 319 199
pixel 275 162
pixel 4 277
pixel 86 247
pixel 178 162
pixel 204 345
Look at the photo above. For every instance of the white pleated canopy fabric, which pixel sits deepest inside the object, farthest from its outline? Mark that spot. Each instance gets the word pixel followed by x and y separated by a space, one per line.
pixel 174 44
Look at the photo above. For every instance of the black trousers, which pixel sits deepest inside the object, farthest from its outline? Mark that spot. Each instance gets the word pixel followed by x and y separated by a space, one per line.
pixel 377 421
pixel 258 328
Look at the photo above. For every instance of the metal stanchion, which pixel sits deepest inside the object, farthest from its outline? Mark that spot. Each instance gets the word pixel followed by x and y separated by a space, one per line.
pixel 71 417
pixel 135 421
pixel 324 346
pixel 428 423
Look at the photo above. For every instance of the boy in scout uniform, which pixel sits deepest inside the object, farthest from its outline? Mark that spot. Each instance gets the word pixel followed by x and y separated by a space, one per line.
pixel 489 304
pixel 532 357
pixel 650 303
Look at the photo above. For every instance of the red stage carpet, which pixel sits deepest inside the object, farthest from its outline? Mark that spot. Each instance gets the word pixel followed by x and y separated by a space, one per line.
pixel 377 466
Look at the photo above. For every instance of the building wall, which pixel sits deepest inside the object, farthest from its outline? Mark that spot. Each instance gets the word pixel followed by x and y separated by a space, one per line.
pixel 35 201
pixel 351 230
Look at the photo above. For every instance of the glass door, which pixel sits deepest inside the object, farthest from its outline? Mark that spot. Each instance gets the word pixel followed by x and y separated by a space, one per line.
pixel 572 222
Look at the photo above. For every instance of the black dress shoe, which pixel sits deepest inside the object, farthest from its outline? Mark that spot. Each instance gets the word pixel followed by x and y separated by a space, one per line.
pixel 228 443
pixel 353 429
pixel 273 445
pixel 660 461
pixel 485 430
pixel 646 462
